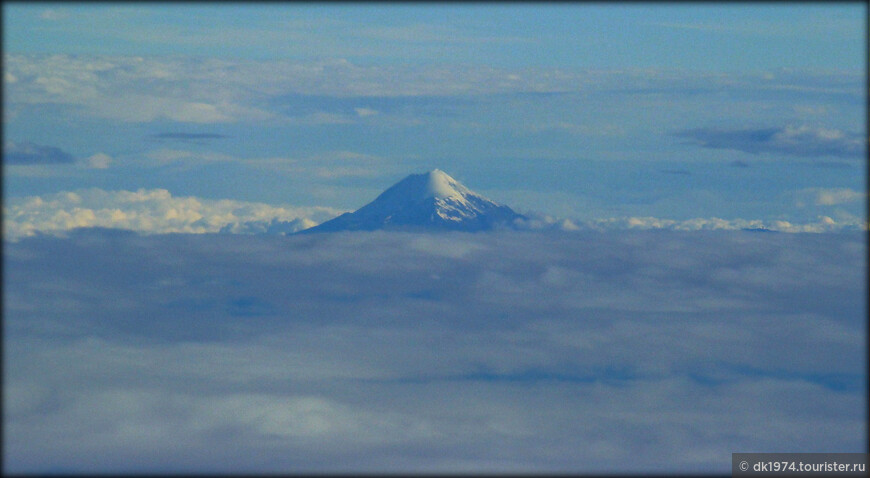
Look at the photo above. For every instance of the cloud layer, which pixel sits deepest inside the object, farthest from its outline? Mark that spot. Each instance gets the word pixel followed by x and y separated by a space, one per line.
pixel 824 224
pixel 157 211
pixel 195 90
pixel 579 352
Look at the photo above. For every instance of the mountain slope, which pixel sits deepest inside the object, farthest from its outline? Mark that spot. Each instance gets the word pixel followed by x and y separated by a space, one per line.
pixel 429 201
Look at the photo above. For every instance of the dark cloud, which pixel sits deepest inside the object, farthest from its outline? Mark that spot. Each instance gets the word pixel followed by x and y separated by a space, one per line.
pixel 802 141
pixel 30 153
pixel 677 172
pixel 533 352
pixel 188 137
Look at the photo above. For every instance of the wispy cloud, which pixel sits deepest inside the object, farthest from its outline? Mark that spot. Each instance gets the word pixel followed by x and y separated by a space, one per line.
pixel 805 141
pixel 193 90
pixel 829 196
pixel 188 136
pixel 99 161
pixel 27 153
pixel 435 35
pixel 326 164
pixel 53 15
pixel 815 26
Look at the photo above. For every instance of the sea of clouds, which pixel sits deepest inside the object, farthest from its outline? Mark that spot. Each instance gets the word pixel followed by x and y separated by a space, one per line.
pixel 583 351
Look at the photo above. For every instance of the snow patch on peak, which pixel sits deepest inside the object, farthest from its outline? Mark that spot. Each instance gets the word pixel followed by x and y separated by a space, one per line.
pixel 440 185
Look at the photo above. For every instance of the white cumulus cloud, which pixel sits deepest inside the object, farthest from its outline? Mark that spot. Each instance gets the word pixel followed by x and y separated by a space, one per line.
pixel 151 211
pixel 100 161
pixel 823 224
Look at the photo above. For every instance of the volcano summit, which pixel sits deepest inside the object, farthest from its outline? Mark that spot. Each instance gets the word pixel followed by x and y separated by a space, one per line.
pixel 428 201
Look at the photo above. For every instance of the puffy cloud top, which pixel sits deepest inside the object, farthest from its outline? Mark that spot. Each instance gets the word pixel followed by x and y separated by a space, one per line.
pixel 151 211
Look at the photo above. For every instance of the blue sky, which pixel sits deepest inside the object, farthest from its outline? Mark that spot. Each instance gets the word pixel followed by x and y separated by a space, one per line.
pixel 741 112
pixel 719 37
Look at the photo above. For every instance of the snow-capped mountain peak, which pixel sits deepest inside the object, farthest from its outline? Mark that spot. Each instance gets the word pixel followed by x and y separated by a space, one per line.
pixel 441 185
pixel 434 184
pixel 431 200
